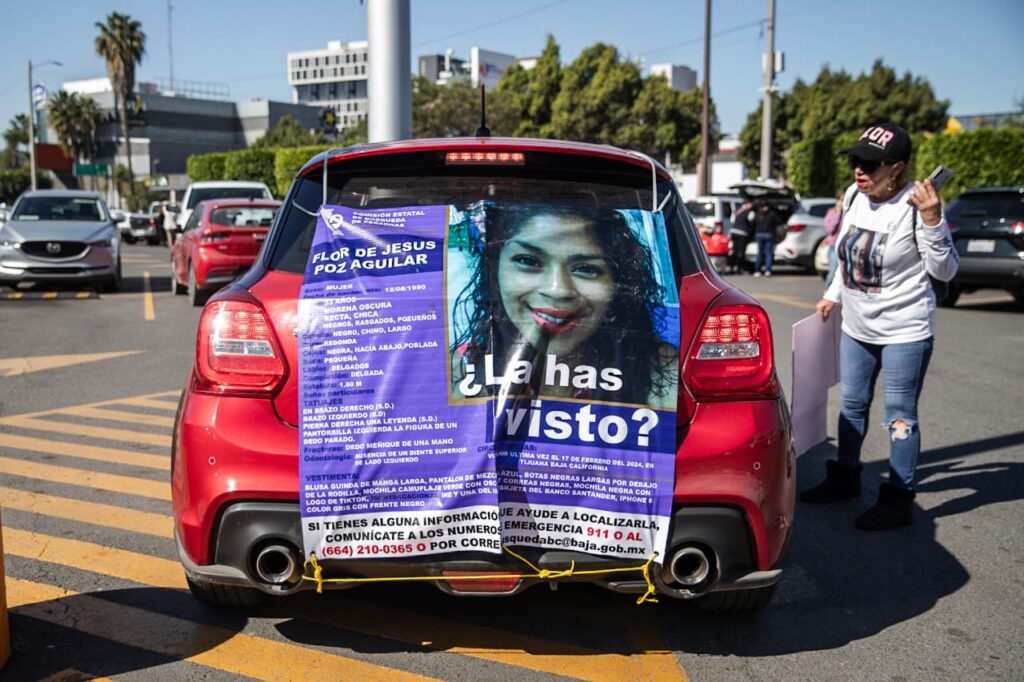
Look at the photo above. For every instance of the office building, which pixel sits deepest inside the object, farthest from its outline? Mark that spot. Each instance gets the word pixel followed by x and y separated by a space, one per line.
pixel 681 78
pixel 332 78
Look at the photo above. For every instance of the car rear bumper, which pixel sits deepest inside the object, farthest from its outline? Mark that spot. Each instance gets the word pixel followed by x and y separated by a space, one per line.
pixel 235 483
pixel 1001 273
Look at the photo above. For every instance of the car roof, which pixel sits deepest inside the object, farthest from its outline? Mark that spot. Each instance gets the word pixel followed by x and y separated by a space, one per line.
pixel 491 144
pixel 225 183
pixel 75 193
pixel 1009 189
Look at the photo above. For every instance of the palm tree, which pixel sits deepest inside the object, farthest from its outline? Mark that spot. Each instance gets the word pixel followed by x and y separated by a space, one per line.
pixel 15 135
pixel 122 43
pixel 74 117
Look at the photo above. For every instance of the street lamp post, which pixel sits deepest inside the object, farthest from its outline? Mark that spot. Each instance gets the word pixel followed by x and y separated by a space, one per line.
pixel 32 121
pixel 156 162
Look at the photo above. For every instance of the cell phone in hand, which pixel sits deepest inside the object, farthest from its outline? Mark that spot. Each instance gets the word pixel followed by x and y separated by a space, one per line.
pixel 940 176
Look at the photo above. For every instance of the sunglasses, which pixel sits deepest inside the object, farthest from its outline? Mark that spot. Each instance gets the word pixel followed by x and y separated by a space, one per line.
pixel 867 165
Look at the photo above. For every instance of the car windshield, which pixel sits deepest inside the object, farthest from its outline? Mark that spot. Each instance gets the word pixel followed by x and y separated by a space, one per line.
pixel 206 193
pixel 77 209
pixel 701 209
pixel 243 216
pixel 991 205
pixel 409 180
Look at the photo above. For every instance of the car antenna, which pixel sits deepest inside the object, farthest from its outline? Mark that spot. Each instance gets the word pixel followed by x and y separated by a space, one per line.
pixel 483 130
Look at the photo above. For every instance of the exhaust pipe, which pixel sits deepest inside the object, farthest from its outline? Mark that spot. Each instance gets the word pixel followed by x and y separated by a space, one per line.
pixel 693 569
pixel 278 565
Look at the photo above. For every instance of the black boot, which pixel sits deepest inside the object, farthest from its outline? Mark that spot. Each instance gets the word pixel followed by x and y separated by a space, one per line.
pixel 841 483
pixel 895 508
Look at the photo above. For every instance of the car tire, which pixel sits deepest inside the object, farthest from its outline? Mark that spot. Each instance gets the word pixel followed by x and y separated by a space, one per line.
pixel 950 298
pixel 819 259
pixel 196 296
pixel 224 596
pixel 113 283
pixel 177 288
pixel 736 601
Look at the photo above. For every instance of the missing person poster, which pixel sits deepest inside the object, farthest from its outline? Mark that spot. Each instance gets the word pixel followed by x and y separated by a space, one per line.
pixel 487 375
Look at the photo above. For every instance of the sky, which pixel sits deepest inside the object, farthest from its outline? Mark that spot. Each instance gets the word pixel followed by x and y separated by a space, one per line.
pixel 970 52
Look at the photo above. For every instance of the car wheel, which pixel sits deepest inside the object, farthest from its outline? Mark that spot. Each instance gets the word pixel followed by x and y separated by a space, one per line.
pixel 224 596
pixel 819 259
pixel 196 296
pixel 736 601
pixel 113 283
pixel 949 299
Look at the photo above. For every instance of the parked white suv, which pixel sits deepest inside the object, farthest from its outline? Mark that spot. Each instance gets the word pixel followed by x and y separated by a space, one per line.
pixel 714 212
pixel 212 189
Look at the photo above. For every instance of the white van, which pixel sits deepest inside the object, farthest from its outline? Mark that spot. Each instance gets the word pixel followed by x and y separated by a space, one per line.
pixel 211 189
pixel 713 213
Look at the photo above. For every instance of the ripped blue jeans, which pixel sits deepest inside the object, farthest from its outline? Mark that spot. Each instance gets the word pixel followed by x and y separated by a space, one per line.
pixel 903 366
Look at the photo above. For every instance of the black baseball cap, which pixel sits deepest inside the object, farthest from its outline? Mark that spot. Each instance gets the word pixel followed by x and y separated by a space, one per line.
pixel 884 142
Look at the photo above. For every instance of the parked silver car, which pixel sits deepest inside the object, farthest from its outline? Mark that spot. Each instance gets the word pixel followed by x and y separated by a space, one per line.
pixel 804 234
pixel 60 236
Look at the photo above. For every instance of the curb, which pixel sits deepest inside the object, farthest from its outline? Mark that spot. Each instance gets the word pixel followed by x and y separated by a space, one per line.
pixel 5 634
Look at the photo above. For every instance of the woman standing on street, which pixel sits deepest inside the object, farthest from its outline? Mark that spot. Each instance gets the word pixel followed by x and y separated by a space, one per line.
pixel 893 237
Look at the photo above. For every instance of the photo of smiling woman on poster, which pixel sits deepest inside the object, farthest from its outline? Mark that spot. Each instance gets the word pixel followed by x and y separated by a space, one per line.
pixel 562 302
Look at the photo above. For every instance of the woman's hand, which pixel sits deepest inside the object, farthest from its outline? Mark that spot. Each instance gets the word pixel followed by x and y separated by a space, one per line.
pixel 824 308
pixel 926 200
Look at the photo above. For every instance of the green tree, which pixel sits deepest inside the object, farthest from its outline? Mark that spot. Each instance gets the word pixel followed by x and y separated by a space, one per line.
pixel 454 110
pixel 596 97
pixel 531 93
pixel 74 118
pixel 15 136
pixel 666 122
pixel 836 103
pixel 122 43
pixel 289 133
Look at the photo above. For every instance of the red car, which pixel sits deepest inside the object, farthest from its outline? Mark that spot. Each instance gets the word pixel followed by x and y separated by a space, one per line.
pixel 219 242
pixel 236 454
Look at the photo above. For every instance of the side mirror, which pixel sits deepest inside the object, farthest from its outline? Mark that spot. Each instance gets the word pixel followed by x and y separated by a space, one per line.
pixel 117 216
pixel 172 208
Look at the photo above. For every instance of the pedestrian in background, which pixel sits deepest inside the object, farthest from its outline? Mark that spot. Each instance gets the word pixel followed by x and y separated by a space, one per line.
pixel 739 235
pixel 894 236
pixel 833 219
pixel 766 224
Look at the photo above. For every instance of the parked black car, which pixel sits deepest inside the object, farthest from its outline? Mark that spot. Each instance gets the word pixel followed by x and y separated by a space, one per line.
pixel 988 230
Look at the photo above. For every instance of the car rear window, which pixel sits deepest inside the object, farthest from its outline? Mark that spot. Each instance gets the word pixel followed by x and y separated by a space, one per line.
pixel 243 216
pixel 988 205
pixel 701 209
pixel 818 210
pixel 423 179
pixel 80 209
pixel 206 193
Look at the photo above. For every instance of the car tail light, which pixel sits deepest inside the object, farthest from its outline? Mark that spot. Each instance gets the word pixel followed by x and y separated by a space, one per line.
pixel 480 583
pixel 210 237
pixel 152 222
pixel 952 226
pixel 1018 228
pixel 732 355
pixel 236 351
pixel 796 227
pixel 484 159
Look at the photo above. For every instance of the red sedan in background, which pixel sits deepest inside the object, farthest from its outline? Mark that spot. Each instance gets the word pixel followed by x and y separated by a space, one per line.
pixel 219 243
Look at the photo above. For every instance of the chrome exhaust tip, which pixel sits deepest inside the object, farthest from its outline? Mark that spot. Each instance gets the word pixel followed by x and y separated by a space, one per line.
pixel 690 567
pixel 278 565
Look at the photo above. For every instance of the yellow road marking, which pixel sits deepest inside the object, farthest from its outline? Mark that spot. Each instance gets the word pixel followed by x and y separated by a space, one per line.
pixel 104 403
pixel 148 402
pixel 147 523
pixel 53 447
pixel 73 429
pixel 147 298
pixel 227 650
pixel 10 367
pixel 158 490
pixel 783 299
pixel 83 294
pixel 15 296
pixel 49 295
pixel 119 563
pixel 118 415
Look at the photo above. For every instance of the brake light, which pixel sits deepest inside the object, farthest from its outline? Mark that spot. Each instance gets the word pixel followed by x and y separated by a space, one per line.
pixel 796 227
pixel 1018 228
pixel 210 237
pixel 236 351
pixel 484 159
pixel 732 355
pixel 478 581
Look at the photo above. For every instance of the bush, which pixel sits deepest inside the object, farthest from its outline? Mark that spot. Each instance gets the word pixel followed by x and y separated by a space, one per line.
pixel 202 167
pixel 980 158
pixel 14 182
pixel 811 168
pixel 289 160
pixel 255 165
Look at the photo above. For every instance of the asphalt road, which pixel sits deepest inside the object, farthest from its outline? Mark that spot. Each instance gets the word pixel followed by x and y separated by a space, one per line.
pixel 94 587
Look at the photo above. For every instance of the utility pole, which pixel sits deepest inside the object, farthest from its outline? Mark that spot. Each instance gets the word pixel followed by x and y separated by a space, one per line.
pixel 704 167
pixel 769 87
pixel 170 44
pixel 31 128
pixel 389 82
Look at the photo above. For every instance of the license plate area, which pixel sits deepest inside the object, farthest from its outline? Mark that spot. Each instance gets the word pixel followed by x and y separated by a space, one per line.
pixel 981 245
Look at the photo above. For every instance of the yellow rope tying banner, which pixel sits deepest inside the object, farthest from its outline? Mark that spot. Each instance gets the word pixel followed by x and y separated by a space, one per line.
pixel 540 573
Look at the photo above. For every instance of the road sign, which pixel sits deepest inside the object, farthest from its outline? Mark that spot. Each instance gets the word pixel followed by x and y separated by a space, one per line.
pixel 102 169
